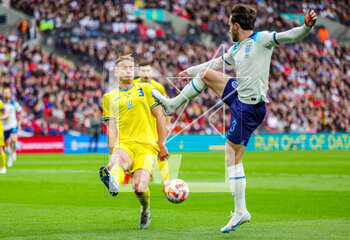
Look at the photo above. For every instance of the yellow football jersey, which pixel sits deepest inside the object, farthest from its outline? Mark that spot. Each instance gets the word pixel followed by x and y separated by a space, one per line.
pixel 131 110
pixel 155 84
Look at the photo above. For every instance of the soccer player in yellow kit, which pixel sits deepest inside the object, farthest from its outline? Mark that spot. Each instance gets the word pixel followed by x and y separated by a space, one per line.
pixel 145 73
pixel 3 116
pixel 136 134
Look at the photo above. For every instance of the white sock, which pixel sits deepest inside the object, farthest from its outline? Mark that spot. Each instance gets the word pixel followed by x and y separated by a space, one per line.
pixel 14 156
pixel 9 155
pixel 237 185
pixel 14 152
pixel 190 91
pixel 8 151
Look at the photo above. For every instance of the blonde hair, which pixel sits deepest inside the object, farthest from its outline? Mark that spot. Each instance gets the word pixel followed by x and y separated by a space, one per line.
pixel 124 58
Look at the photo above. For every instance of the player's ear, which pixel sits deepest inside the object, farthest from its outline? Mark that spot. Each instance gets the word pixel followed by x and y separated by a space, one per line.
pixel 237 26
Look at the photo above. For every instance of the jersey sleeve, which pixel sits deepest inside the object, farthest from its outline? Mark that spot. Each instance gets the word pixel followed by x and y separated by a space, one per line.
pixel 292 35
pixel 267 39
pixel 228 56
pixel 147 88
pixel 2 109
pixel 107 110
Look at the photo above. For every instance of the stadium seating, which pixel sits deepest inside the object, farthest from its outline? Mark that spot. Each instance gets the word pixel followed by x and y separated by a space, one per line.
pixel 57 96
pixel 308 80
pixel 215 13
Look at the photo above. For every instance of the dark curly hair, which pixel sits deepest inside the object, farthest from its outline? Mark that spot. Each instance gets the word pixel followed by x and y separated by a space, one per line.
pixel 244 15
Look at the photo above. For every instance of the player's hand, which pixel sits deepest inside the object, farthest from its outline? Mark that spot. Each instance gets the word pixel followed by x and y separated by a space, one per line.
pixel 163 152
pixel 310 18
pixel 184 76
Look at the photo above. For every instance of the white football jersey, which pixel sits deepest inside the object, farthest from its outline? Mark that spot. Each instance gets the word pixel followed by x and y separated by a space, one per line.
pixel 251 60
pixel 11 108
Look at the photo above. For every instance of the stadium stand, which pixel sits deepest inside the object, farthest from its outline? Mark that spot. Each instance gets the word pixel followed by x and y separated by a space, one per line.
pixel 308 80
pixel 56 96
pixel 216 12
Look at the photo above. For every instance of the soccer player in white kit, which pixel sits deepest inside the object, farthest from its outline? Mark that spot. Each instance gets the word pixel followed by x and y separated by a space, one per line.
pixel 10 126
pixel 245 94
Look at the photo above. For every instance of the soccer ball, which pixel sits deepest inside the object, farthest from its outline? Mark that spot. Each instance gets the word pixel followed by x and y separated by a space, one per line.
pixel 176 191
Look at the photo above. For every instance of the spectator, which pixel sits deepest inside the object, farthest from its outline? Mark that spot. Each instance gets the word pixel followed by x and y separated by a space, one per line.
pixel 323 34
pixel 94 129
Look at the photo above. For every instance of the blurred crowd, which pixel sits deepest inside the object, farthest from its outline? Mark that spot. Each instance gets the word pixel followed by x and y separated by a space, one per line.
pixel 57 97
pixel 206 13
pixel 309 86
pixel 212 17
pixel 337 10
pixel 308 80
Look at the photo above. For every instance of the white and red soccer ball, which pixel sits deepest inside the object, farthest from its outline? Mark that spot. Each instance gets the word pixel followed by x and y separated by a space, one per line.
pixel 176 191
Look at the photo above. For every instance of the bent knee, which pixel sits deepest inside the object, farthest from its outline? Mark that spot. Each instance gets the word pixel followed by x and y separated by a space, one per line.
pixel 212 78
pixel 204 72
pixel 140 188
pixel 120 160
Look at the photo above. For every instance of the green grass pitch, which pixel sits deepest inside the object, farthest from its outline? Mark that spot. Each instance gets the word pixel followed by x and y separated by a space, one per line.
pixel 291 195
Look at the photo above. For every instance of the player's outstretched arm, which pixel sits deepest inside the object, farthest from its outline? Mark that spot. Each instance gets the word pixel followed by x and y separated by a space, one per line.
pixel 162 131
pixel 295 34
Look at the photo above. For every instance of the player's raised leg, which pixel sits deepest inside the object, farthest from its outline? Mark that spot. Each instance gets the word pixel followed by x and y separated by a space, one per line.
pixel 140 180
pixel 205 78
pixel 233 158
pixel 113 175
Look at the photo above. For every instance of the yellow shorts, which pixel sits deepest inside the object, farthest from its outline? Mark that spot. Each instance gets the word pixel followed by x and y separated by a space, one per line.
pixel 2 140
pixel 142 156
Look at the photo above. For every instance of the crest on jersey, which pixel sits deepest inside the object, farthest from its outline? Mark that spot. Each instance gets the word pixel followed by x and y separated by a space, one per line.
pixel 129 104
pixel 248 49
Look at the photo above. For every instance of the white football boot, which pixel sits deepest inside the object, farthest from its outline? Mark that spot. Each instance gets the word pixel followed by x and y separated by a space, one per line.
pixel 3 170
pixel 109 181
pixel 236 221
pixel 9 160
pixel 145 217
pixel 165 102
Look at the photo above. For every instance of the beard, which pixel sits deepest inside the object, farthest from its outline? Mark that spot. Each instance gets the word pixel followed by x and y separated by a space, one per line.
pixel 234 36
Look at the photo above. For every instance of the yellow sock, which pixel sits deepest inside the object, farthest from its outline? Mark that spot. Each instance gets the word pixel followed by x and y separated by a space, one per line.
pixel 3 159
pixel 118 173
pixel 164 170
pixel 145 199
